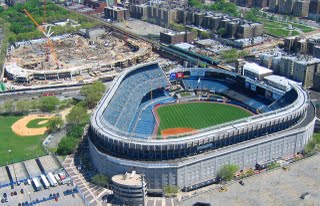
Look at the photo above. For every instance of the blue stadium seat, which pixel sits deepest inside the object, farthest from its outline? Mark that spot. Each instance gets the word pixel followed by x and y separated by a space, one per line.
pixel 126 101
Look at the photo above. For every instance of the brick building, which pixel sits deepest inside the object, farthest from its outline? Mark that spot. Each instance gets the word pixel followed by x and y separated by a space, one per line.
pixel 314 10
pixel 273 5
pixel 316 81
pixel 301 8
pixel 170 37
pixel 246 31
pixel 116 13
pixel 260 3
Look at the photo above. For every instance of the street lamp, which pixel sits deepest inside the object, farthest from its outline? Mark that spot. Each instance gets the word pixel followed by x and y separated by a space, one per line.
pixel 29 196
pixel 14 170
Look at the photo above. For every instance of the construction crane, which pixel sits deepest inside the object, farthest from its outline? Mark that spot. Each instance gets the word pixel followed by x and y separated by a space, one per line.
pixel 47 34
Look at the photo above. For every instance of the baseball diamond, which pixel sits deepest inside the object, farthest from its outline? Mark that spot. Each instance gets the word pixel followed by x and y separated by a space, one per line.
pixel 256 123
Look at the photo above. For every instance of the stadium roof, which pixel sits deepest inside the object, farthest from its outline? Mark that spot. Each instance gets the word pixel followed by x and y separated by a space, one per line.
pixel 278 80
pixel 257 69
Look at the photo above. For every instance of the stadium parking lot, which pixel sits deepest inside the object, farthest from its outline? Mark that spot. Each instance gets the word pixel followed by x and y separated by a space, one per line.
pixel 44 196
pixel 277 187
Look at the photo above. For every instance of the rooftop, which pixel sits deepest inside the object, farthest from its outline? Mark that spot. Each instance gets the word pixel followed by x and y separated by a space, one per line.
pixel 185 46
pixel 131 179
pixel 255 68
pixel 206 41
pixel 278 79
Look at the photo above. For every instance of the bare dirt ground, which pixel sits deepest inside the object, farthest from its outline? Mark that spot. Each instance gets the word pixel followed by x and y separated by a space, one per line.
pixel 176 131
pixel 21 129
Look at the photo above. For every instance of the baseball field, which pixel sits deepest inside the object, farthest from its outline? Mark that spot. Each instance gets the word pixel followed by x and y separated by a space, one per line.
pixel 22 147
pixel 189 117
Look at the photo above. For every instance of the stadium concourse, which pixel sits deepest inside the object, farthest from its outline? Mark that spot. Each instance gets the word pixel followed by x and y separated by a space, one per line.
pixel 121 134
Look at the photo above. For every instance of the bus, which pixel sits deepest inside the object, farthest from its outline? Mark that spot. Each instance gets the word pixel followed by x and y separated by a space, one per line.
pixel 44 182
pixel 53 182
pixel 36 184
pixel 58 178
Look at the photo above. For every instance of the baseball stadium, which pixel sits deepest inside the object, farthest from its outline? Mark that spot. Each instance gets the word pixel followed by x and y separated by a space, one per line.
pixel 181 128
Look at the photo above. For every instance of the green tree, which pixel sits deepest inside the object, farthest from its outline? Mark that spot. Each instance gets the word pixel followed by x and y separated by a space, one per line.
pixel 242 54
pixel 8 106
pixel 171 190
pixel 67 145
pixel 313 145
pixel 177 27
pixel 204 34
pixel 75 131
pixel 195 3
pixel 100 180
pixel 221 32
pixel 273 18
pixel 34 104
pixel 230 55
pixel 93 93
pixel 227 172
pixel 77 116
pixel 54 124
pixel 23 106
pixel 48 104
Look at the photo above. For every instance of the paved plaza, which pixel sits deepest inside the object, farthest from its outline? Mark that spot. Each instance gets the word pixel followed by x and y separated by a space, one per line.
pixel 277 187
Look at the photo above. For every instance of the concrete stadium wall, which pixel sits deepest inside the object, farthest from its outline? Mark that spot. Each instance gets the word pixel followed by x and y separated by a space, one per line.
pixel 203 167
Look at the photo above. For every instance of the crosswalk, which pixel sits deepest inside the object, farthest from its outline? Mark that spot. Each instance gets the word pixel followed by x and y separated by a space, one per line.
pixel 162 202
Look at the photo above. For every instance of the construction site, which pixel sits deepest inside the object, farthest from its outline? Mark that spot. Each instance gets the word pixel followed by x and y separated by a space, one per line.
pixel 74 58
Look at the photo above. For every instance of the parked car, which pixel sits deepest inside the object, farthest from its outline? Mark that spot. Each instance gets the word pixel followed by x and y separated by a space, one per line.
pixel 305 196
pixel 242 183
pixel 223 189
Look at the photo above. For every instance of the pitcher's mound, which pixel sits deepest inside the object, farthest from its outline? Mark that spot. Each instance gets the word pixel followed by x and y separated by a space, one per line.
pixel 176 131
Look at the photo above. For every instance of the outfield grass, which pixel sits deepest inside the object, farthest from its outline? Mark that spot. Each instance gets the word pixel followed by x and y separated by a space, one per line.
pixel 198 115
pixel 22 147
pixel 35 123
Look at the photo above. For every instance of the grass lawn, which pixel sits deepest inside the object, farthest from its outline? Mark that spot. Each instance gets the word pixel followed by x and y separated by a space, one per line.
pixel 279 29
pixel 198 115
pixel 22 147
pixel 35 123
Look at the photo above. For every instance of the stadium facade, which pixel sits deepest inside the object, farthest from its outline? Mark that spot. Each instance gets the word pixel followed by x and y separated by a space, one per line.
pixel 121 133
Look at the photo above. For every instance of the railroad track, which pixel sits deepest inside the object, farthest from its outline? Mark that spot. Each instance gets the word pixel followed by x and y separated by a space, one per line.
pixel 114 27
pixel 155 45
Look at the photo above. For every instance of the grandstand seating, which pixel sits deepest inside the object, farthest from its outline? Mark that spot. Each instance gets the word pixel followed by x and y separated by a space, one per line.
pixel 252 100
pixel 285 100
pixel 144 122
pixel 126 100
pixel 217 86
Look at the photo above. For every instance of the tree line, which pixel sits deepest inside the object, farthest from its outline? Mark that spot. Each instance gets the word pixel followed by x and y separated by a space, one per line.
pixel 22 28
pixel 79 117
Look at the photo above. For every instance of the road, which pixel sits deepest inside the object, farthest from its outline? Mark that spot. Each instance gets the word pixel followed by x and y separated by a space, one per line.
pixel 274 43
pixel 61 93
